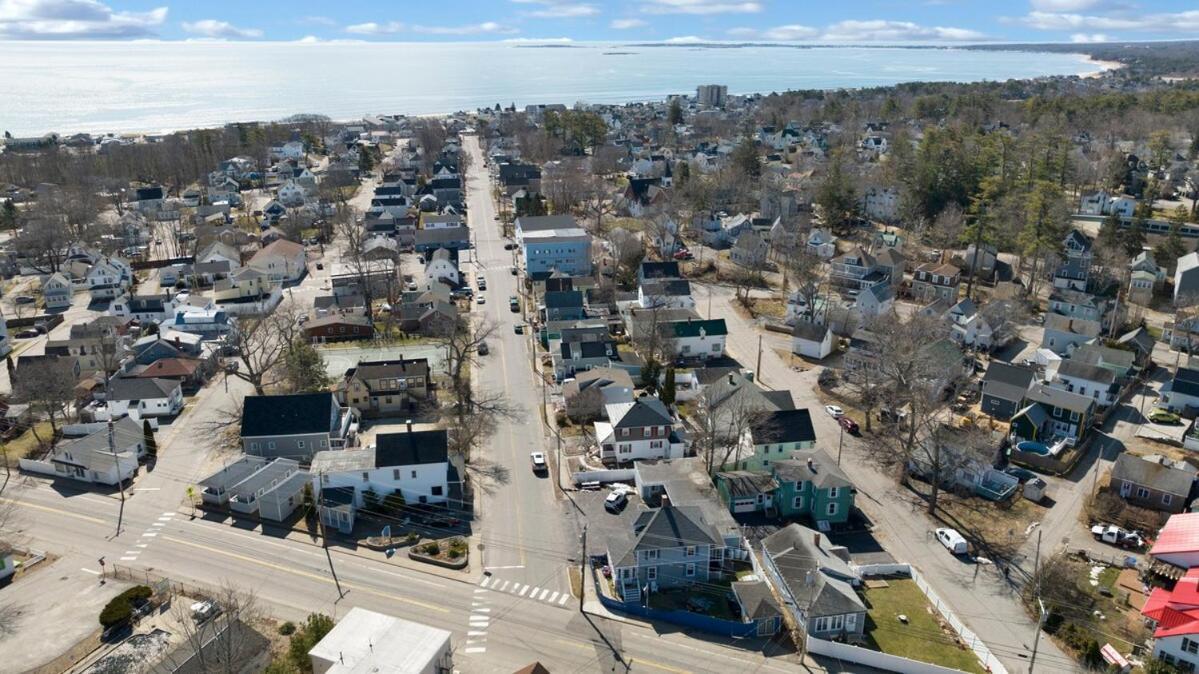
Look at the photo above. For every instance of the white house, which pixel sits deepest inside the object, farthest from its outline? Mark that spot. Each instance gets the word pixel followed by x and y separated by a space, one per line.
pixel 442 266
pixel 137 396
pixel 289 150
pixel 1104 203
pixel 219 251
pixel 1092 381
pixel 143 308
pixel 811 341
pixel 283 261
pixel 822 244
pixel 665 294
pixel 5 346
pixel 695 338
pixel 292 195
pixel 881 203
pixel 109 277
pixel 88 459
pixel 414 463
pixel 637 431
pixel 56 291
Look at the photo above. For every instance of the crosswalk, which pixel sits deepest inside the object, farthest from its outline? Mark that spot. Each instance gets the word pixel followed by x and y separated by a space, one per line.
pixel 525 591
pixel 147 538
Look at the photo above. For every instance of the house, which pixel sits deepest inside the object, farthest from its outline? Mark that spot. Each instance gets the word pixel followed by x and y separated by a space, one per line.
pixel 340 326
pixel 1140 342
pixel 881 203
pixel 816 582
pixel 282 261
pixel 668 547
pixel 855 271
pixel 1120 362
pixel 650 270
pixel 588 393
pixel 1154 481
pixel 1089 380
pixel 749 251
pixel 148 397
pixel 295 425
pixel 1186 280
pixel 246 496
pixel 143 308
pixel 56 291
pixel 219 251
pixel 453 238
pixel 813 486
pixel 665 294
pixel 874 301
pixel 1177 543
pixel 563 305
pixel 215 489
pixel 108 278
pixel 442 265
pixel 1050 416
pixel 933 281
pixel 89 459
pixel 891 263
pixel 811 341
pixel 1173 614
pixel 773 435
pixel 382 388
pixel 640 430
pixel 208 323
pixel 1075 271
pixel 821 244
pixel 414 464
pixel 577 356
pixel 366 641
pixel 1140 287
pixel 1063 334
pixel 565 250
pixel 1181 393
pixel 1003 389
pixel 1077 304
pixel 696 339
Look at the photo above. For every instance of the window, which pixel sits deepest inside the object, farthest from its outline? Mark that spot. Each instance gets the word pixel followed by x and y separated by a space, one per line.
pixel 436 491
pixel 690 570
pixel 395 473
pixel 833 492
pixel 414 475
pixel 798 503
pixel 253 446
pixel 299 444
pixel 651 554
pixel 690 551
pixel 1166 498
pixel 324 443
pixel 1142 492
pixel 366 477
pixel 270 445
pixel 651 573
pixel 1190 646
pixel 832 509
pixel 1074 416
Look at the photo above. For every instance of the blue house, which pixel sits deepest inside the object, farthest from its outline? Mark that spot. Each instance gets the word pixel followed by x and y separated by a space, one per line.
pixel 567 250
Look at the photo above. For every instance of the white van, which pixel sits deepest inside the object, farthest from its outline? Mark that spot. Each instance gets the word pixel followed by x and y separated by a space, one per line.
pixel 952 540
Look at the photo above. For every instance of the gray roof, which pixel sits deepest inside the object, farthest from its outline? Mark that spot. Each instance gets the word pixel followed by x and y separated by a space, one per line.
pixel 785 425
pixel 138 388
pixel 756 600
pixel 814 571
pixel 1155 472
pixel 1080 370
pixel 1007 382
pixel 539 223
pixel 823 472
pixel 644 411
pixel 1078 326
pixel 125 430
pixel 1056 397
pixel 668 527
pixel 265 477
pixel 1186 382
pixel 232 474
pixel 810 331
pixel 1092 354
pixel 743 483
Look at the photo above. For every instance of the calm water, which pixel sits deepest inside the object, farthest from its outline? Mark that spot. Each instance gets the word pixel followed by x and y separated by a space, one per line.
pixel 160 86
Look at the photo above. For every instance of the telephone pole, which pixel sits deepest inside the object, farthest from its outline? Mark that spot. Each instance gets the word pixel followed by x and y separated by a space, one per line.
pixel 758 370
pixel 112 449
pixel 1041 615
pixel 325 537
pixel 583 570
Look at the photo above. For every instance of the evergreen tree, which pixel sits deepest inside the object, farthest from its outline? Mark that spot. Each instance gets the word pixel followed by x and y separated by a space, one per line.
pixel 9 215
pixel 835 195
pixel 1109 231
pixel 676 113
pixel 12 372
pixel 746 159
pixel 667 392
pixel 148 439
pixel 305 369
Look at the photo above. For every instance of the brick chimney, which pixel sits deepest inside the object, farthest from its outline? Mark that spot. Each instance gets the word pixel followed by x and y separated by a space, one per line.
pixel 664 502
pixel 816 538
pixel 409 422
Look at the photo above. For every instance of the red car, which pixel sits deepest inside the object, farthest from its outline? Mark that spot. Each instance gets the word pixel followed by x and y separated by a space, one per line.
pixel 683 255
pixel 849 425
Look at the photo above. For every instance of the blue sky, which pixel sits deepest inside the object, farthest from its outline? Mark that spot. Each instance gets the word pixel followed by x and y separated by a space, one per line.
pixel 848 21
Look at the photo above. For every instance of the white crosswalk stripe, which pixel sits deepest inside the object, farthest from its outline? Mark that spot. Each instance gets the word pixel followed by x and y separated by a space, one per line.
pixel 522 590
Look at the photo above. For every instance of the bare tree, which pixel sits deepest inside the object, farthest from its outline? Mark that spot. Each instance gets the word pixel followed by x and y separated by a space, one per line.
pixel 806 272
pixel 262 343
pixel 724 417
pixel 565 185
pixel 47 385
pixel 224 643
pixel 627 254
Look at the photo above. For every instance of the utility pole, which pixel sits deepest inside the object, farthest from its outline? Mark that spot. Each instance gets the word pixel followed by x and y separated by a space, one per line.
pixel 840 443
pixel 1032 660
pixel 110 366
pixel 583 569
pixel 758 370
pixel 325 538
pixel 112 449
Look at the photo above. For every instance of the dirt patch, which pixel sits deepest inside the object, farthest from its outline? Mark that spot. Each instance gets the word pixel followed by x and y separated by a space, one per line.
pixel 1002 526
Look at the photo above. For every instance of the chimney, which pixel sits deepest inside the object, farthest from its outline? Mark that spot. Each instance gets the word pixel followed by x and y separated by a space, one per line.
pixel 732 380
pixel 664 502
pixel 816 538
pixel 409 422
pixel 811 465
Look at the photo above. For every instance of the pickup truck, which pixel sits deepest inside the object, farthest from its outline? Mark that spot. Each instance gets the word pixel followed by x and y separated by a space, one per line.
pixel 1114 535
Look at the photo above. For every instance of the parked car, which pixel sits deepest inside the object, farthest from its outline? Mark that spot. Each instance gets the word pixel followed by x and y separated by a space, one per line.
pixel 616 501
pixel 1114 535
pixel 481 299
pixel 1163 416
pixel 834 411
pixel 509 245
pixel 514 304
pixel 848 424
pixel 27 334
pixel 538 460
pixel 483 349
pixel 954 542
pixel 519 328
pixel 203 611
pixel 24 299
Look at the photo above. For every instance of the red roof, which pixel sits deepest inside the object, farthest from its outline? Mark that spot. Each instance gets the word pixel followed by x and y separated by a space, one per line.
pixel 1176 611
pixel 1181 534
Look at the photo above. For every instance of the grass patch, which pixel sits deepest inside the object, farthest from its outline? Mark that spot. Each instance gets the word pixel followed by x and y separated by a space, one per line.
pixel 917 640
pixel 1003 526
pixel 693 600
pixel 25 445
pixel 1108 576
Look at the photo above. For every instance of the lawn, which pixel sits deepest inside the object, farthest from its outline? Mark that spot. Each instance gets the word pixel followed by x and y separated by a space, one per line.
pixel 695 600
pixel 25 444
pixel 922 637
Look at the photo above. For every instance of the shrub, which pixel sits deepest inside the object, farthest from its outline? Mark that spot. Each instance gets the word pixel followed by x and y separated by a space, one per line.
pixel 454 553
pixel 412 537
pixel 120 609
pixel 431 548
pixel 287 629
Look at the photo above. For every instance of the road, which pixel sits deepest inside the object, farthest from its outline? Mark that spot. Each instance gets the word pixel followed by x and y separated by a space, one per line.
pixel 983 599
pixel 525 532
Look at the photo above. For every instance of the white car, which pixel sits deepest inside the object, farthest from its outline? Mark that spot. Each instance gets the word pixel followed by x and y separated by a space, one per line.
pixel 616 501
pixel 538 459
pixel 954 542
pixel 481 300
pixel 834 411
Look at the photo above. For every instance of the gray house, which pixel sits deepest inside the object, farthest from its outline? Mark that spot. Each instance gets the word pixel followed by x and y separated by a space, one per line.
pixel 669 547
pixel 279 502
pixel 1186 280
pixel 214 489
pixel 1063 334
pixel 295 426
pixel 1003 389
pixel 244 496
pixel 815 580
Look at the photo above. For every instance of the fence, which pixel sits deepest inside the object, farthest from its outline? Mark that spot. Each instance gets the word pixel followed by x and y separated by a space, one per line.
pixel 160 583
pixel 876 659
pixel 621 475
pixel 968 637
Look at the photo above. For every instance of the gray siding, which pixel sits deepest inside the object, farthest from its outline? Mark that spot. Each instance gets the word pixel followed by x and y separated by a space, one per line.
pixel 288 447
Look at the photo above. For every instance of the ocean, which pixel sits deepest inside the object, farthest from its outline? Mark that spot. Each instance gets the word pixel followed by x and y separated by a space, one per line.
pixel 99 87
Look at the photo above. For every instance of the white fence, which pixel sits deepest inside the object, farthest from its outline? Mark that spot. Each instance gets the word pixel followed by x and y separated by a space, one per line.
pixel 39 467
pixel 865 656
pixel 604 476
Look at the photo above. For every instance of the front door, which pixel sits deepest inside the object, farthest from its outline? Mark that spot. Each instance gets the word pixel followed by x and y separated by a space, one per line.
pixel 1125 489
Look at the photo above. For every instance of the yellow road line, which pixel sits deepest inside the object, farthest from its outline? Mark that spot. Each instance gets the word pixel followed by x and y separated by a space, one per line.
pixel 305 574
pixel 56 511
pixel 656 665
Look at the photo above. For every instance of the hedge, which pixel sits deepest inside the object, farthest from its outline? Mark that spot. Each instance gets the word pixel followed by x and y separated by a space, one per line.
pixel 120 609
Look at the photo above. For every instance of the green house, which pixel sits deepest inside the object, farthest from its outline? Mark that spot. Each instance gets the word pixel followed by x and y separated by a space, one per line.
pixel 1051 414
pixel 775 437
pixel 807 485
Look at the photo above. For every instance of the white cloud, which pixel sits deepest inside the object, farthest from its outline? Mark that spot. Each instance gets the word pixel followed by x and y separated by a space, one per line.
pixel 1064 5
pixel 789 33
pixel 559 9
pixel 701 7
pixel 485 28
pixel 896 31
pixel 373 28
pixel 74 19
pixel 1088 38
pixel 1169 22
pixel 221 30
pixel 310 39
pixel 626 24
pixel 685 39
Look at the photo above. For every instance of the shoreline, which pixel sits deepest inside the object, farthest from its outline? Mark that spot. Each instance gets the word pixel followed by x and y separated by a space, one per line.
pixel 1105 67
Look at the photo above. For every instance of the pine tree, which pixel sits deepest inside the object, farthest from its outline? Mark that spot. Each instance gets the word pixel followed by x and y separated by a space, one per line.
pixel 667 393
pixel 676 113
pixel 150 442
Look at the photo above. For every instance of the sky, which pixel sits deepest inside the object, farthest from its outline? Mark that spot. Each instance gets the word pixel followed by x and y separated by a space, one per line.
pixel 682 21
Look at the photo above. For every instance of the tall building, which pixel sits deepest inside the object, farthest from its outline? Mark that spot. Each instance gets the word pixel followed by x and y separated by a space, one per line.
pixel 711 95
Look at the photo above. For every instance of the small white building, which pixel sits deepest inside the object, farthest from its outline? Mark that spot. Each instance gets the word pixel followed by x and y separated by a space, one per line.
pixel 365 641
pixel 283 261
pixel 108 278
pixel 442 266
pixel 812 341
pixel 56 291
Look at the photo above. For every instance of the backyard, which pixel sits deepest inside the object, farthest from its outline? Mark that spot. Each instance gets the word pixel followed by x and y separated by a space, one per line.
pixel 27 444
pixel 714 601
pixel 921 637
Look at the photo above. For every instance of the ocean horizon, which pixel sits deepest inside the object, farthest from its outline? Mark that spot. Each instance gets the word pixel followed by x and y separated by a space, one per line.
pixel 158 87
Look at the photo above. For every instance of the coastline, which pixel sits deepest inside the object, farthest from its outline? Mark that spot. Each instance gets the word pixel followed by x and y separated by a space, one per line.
pixel 1105 67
